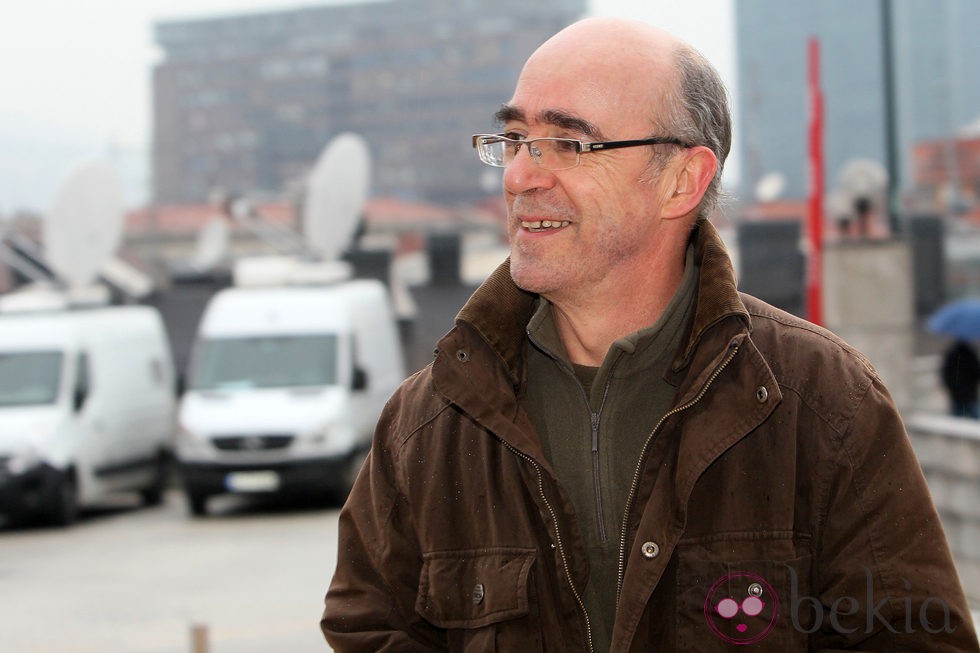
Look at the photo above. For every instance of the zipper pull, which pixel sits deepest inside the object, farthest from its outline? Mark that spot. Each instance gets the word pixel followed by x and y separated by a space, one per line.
pixel 595 432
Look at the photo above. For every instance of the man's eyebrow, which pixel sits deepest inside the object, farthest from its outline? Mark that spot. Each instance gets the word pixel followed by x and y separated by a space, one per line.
pixel 569 122
pixel 556 117
pixel 507 113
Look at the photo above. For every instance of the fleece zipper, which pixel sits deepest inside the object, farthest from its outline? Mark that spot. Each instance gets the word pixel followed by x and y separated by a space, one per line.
pixel 594 419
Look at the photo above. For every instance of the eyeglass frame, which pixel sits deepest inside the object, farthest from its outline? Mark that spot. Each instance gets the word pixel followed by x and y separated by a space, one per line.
pixel 581 147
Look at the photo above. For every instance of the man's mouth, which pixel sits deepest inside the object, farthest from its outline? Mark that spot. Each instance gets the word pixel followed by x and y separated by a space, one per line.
pixel 544 225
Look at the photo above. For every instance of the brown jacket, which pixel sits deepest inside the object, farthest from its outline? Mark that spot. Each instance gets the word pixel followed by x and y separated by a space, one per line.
pixel 782 480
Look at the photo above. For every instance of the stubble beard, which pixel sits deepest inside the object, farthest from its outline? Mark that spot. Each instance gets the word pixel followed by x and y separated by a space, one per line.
pixel 570 272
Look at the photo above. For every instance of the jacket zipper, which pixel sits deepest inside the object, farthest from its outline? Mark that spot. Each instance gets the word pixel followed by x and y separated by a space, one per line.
pixel 639 465
pixel 558 542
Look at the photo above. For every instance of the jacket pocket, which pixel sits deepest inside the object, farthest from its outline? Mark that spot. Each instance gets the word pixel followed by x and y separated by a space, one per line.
pixel 482 597
pixel 740 603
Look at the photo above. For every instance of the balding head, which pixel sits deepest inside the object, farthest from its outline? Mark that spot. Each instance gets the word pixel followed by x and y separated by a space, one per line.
pixel 610 41
pixel 612 60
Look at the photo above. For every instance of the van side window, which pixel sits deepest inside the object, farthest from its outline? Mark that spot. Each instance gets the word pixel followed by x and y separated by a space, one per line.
pixel 82 381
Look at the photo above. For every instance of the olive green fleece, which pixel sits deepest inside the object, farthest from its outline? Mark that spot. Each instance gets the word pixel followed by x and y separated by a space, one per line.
pixel 626 397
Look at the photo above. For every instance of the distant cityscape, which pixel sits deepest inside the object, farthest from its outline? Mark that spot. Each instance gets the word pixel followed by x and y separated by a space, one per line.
pixel 244 104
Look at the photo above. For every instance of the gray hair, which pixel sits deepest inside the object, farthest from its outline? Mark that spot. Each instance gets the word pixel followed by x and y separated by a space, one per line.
pixel 695 110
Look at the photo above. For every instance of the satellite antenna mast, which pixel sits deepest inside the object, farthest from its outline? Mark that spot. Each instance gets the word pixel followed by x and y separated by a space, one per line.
pixel 334 200
pixel 281 239
pixel 21 254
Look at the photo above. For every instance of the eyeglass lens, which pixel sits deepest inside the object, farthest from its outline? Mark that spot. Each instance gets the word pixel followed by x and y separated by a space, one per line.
pixel 549 153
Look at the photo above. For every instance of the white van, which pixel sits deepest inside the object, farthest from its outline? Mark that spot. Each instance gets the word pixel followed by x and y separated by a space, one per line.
pixel 284 388
pixel 87 408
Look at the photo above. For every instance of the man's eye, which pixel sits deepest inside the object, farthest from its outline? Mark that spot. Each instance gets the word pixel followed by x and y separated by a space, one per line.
pixel 514 136
pixel 566 146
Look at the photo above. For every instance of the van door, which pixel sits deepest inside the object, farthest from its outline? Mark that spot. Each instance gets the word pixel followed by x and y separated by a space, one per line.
pixel 91 444
pixel 363 389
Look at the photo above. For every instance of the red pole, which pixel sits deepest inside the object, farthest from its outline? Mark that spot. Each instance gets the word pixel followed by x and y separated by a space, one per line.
pixel 814 281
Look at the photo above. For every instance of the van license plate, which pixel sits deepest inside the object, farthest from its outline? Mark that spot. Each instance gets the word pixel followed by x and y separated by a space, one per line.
pixel 264 481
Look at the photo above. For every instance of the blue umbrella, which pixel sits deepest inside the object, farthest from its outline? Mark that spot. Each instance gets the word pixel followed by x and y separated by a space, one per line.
pixel 959 319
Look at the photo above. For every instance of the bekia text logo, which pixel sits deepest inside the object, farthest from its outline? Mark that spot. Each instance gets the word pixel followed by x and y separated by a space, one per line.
pixel 741 608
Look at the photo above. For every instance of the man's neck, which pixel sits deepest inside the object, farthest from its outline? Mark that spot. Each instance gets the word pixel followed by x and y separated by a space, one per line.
pixel 589 322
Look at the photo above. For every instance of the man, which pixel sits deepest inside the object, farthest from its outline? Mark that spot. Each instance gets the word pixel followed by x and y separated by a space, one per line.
pixel 615 450
pixel 961 377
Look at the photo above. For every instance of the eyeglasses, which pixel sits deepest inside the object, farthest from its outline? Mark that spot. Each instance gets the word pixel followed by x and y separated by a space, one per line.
pixel 552 153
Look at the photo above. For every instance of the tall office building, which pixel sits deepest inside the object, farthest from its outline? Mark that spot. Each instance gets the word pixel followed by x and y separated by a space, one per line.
pixel 246 103
pixel 937 85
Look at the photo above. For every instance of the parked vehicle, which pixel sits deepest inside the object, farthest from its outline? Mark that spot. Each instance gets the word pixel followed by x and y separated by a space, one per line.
pixel 87 409
pixel 284 388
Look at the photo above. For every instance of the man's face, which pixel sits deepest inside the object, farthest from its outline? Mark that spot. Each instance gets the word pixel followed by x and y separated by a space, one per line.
pixel 604 213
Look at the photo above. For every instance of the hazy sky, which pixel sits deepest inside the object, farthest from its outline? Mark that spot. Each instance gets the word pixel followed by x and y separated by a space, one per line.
pixel 75 78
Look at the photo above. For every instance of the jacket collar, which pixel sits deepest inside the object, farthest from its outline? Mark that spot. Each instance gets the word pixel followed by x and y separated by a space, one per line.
pixel 717 296
pixel 499 311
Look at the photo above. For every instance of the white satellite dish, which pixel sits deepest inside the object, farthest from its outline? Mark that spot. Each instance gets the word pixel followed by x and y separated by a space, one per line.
pixel 769 187
pixel 84 226
pixel 837 206
pixel 864 179
pixel 335 194
pixel 212 245
pixel 970 129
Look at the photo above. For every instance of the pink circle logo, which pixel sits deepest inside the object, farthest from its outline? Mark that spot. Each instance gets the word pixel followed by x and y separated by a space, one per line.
pixel 741 608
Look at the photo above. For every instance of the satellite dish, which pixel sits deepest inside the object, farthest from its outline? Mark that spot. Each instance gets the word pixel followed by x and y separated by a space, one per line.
pixel 862 185
pixel 863 179
pixel 970 129
pixel 770 187
pixel 837 206
pixel 335 194
pixel 85 224
pixel 212 245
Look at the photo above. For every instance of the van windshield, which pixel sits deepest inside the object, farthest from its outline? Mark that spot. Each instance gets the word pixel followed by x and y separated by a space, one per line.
pixel 265 362
pixel 29 378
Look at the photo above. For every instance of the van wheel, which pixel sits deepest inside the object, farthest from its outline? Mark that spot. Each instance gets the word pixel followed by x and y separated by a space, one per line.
pixel 63 510
pixel 338 496
pixel 153 495
pixel 197 503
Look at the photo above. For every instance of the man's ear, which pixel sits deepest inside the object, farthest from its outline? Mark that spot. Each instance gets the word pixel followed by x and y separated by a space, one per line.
pixel 692 173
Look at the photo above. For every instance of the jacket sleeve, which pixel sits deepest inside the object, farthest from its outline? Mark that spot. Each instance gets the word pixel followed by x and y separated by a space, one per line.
pixel 885 572
pixel 370 604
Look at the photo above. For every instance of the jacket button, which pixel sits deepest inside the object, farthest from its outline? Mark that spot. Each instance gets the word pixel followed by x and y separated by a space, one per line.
pixel 761 394
pixel 650 550
pixel 478 593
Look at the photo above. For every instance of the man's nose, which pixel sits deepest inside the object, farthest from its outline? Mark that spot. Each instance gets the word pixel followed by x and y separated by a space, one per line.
pixel 523 175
